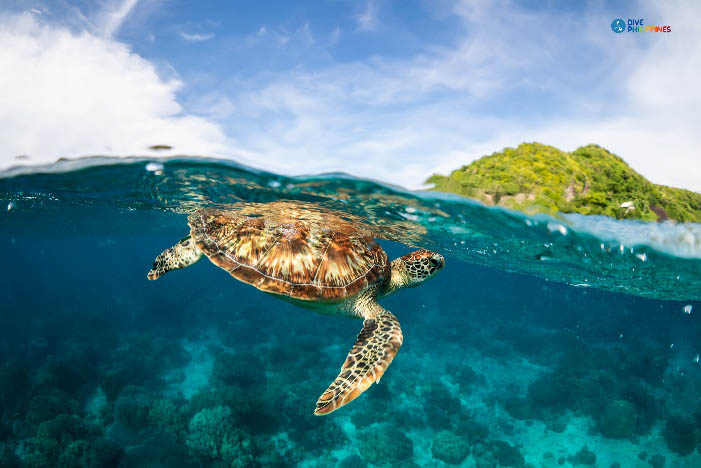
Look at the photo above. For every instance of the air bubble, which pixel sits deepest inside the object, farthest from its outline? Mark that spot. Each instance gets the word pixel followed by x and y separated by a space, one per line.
pixel 552 227
pixel 154 166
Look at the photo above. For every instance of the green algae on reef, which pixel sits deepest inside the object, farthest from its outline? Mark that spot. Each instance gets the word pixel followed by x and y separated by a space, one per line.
pixel 590 180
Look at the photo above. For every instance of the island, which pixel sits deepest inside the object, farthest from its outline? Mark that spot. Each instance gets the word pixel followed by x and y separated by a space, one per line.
pixel 537 178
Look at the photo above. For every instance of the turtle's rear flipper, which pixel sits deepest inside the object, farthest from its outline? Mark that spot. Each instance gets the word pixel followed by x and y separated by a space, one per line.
pixel 181 255
pixel 373 351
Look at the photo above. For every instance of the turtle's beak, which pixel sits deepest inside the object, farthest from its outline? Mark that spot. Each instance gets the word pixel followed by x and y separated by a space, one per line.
pixel 157 269
pixel 153 275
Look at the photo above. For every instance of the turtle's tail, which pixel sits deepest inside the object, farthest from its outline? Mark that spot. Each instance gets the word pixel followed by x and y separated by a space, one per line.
pixel 181 255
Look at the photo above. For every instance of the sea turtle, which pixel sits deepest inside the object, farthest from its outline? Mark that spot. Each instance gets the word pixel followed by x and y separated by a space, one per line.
pixel 316 259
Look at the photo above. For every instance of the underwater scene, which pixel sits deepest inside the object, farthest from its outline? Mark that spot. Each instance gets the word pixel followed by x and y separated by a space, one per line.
pixel 542 342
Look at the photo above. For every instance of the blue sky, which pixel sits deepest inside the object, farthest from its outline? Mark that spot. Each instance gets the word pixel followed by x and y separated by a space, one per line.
pixel 387 90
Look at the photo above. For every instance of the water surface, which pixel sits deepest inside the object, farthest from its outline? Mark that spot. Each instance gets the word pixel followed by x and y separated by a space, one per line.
pixel 544 342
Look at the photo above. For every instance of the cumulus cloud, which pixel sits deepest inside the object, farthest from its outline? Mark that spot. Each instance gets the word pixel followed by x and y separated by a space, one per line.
pixel 68 94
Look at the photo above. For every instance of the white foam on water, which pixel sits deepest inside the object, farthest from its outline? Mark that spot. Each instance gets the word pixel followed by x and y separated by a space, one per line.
pixel 678 239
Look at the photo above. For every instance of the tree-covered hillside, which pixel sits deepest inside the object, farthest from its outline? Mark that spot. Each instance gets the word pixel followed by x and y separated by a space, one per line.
pixel 590 180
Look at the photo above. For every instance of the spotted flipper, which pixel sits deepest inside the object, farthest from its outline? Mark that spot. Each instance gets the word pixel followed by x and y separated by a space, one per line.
pixel 181 255
pixel 373 351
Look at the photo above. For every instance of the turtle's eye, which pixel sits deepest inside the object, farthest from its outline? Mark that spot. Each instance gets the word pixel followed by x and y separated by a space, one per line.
pixel 436 262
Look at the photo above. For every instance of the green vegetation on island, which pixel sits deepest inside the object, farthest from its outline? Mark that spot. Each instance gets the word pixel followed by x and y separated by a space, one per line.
pixel 590 180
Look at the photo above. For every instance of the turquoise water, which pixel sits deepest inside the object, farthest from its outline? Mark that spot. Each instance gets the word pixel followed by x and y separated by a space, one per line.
pixel 544 341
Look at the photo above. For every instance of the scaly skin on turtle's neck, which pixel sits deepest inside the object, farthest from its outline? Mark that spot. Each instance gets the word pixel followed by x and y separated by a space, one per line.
pixel 398 279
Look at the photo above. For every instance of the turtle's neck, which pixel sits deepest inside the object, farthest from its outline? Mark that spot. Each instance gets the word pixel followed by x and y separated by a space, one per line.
pixel 399 278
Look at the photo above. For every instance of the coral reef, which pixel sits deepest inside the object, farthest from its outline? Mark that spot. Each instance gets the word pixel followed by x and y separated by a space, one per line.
pixel 657 461
pixel 132 407
pixel 519 408
pixel 621 408
pixel 505 454
pixel 617 420
pixel 188 380
pixel 583 457
pixel 681 434
pixel 450 448
pixel 385 444
pixel 446 405
pixel 212 436
pixel 319 436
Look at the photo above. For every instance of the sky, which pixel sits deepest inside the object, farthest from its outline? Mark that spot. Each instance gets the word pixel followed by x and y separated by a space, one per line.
pixel 392 91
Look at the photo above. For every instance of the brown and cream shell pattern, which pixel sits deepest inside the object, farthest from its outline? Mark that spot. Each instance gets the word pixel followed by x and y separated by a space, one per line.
pixel 285 248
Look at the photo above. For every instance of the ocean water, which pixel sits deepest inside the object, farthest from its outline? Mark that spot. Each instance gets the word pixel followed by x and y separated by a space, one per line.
pixel 544 342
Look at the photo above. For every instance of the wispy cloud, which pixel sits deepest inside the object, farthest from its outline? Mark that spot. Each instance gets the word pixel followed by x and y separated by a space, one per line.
pixel 368 19
pixel 402 119
pixel 502 78
pixel 195 37
pixel 114 15
pixel 300 37
pixel 334 37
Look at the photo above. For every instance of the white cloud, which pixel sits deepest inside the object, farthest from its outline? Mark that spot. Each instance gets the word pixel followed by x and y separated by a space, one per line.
pixel 398 120
pixel 196 37
pixel 71 95
pixel 368 20
pixel 654 123
pixel 112 17
pixel 401 120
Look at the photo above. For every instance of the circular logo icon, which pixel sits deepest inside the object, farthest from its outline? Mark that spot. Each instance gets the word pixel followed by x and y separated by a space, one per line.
pixel 618 25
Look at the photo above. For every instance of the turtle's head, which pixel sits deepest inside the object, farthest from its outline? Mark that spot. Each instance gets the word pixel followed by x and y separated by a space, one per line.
pixel 181 255
pixel 414 268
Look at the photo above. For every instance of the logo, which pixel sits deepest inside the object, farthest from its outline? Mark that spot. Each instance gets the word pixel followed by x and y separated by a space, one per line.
pixel 636 25
pixel 618 25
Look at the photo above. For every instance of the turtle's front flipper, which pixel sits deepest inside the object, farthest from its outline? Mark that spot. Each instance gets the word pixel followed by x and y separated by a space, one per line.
pixel 181 255
pixel 373 351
